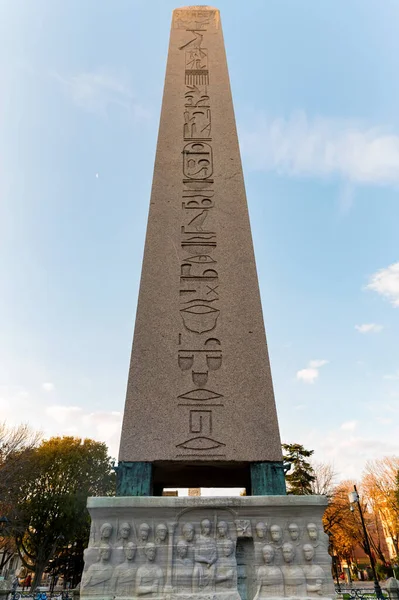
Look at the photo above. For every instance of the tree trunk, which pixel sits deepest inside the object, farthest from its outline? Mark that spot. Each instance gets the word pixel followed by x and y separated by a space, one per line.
pixel 39 570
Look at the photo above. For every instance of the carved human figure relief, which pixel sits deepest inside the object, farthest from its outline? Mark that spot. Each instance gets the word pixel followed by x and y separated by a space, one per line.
pixel 222 534
pixel 144 532
pixel 188 534
pixel 205 557
pixel 294 576
pixel 314 574
pixel 259 541
pixel 276 535
pixel 183 565
pixel 161 535
pixel 294 534
pixel 222 530
pixel 124 575
pixel 143 535
pixel 124 532
pixel 269 576
pixel 321 553
pixel 105 533
pixel 226 569
pixel 149 578
pixel 97 579
pixel 261 530
pixel 91 553
pixel 123 539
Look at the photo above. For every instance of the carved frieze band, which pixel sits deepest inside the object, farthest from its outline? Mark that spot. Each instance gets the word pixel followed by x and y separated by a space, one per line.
pixel 199 341
pixel 197 555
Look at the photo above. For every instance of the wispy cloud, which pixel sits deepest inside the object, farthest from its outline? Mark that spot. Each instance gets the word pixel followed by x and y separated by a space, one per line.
pixel 96 91
pixel 392 376
pixel 322 147
pixel 47 386
pixel 349 425
pixel 311 373
pixel 350 450
pixel 56 419
pixel 386 283
pixel 369 328
pixel 75 420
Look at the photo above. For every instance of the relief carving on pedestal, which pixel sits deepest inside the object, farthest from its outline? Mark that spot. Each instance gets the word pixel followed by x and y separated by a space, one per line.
pixel 205 557
pixel 194 558
pixel 149 578
pixel 97 579
pixel 293 574
pixel 124 575
pixel 269 576
pixel 314 574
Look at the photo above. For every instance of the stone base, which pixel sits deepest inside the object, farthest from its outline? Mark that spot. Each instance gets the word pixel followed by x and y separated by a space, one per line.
pixel 249 548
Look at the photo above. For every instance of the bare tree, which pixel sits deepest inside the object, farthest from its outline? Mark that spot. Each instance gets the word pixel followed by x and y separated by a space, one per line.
pixel 17 438
pixel 325 479
pixel 15 442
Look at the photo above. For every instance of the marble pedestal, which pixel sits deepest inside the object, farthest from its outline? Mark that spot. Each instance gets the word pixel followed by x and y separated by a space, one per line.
pixel 250 548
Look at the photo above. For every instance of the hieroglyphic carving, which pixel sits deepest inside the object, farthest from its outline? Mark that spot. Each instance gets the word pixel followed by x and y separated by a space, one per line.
pixel 197 160
pixel 201 421
pixel 200 443
pixel 195 20
pixel 198 353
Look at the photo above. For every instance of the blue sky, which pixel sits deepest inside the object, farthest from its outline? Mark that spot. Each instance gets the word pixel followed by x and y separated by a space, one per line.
pixel 315 89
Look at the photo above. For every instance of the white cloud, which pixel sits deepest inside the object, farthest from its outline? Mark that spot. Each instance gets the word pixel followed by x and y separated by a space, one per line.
pixel 96 91
pixel 316 364
pixel 16 405
pixel 392 376
pixel 386 283
pixel 307 375
pixel 369 328
pixel 311 373
pixel 349 425
pixel 384 420
pixel 350 452
pixel 322 147
pixel 100 425
pixel 47 386
pixel 62 414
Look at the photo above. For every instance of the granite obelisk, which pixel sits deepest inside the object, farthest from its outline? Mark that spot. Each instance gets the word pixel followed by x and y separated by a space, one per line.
pixel 200 406
pixel 200 394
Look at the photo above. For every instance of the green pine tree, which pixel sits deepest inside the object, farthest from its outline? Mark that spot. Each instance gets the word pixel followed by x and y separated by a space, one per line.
pixel 300 476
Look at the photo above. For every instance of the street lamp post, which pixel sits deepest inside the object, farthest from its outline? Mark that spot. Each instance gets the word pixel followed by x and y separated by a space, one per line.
pixel 354 499
pixel 334 561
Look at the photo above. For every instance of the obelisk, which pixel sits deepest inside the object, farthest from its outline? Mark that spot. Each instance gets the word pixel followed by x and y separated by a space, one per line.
pixel 200 407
